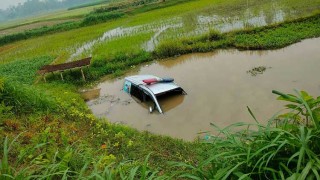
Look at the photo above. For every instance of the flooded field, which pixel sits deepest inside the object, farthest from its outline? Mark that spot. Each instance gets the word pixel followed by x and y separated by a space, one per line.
pixel 8 31
pixel 220 85
pixel 222 18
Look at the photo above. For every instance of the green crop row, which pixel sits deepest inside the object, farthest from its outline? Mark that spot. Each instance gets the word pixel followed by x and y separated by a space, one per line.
pixel 88 5
pixel 99 15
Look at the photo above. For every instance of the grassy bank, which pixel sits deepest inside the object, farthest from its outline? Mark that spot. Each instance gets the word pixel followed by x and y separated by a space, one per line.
pixel 55 131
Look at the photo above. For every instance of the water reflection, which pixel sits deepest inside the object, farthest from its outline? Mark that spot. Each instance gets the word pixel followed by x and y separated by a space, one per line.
pixel 171 62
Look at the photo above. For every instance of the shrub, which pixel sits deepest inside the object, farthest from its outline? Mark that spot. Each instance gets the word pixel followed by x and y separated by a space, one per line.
pixel 100 17
pixel 213 35
pixel 120 62
pixel 5 111
pixel 26 99
pixel 169 48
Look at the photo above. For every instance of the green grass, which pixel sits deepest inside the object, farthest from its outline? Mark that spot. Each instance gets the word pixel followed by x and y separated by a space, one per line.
pixel 75 161
pixel 51 45
pixel 118 64
pixel 131 44
pixel 20 92
pixel 17 71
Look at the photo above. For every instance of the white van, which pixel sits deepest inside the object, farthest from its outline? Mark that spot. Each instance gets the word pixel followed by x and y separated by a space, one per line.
pixel 145 87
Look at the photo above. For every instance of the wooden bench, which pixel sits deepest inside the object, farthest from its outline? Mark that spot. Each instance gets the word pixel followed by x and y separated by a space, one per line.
pixel 65 66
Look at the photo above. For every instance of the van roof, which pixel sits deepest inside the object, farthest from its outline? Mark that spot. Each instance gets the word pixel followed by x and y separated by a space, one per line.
pixel 156 88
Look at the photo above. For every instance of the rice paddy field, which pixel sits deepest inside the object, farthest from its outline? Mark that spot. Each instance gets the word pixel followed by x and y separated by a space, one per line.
pixel 185 20
pixel 63 14
pixel 48 132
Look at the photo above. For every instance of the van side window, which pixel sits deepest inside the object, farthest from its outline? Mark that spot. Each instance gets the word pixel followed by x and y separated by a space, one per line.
pixel 139 93
pixel 136 92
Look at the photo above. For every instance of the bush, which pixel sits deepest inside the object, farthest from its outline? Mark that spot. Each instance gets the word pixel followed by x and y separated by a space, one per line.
pixel 26 98
pixel 169 48
pixel 120 62
pixel 96 18
pixel 214 35
pixel 5 111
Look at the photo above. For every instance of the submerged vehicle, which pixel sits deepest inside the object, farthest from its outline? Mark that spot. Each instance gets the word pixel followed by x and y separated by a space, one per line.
pixel 149 87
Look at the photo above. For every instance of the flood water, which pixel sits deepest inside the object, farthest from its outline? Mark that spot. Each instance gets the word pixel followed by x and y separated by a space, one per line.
pixel 219 89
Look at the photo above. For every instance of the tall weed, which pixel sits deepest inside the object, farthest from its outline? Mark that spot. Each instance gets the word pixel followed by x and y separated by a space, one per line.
pixel 59 166
pixel 266 153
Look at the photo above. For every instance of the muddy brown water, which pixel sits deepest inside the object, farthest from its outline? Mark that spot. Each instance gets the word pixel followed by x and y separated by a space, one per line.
pixel 219 89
